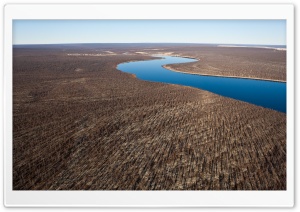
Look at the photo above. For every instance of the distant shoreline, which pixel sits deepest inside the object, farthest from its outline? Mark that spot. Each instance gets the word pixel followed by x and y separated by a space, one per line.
pixel 257 47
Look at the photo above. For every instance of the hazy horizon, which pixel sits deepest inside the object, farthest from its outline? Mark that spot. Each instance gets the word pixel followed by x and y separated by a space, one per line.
pixel 231 32
pixel 149 43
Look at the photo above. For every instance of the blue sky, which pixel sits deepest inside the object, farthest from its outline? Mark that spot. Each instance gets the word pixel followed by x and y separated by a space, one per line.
pixel 267 32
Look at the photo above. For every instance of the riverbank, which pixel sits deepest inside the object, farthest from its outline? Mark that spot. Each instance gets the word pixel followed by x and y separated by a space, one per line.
pixel 253 63
pixel 239 77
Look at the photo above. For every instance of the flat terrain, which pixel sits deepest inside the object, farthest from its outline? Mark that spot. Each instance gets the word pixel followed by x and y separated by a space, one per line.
pixel 233 61
pixel 78 123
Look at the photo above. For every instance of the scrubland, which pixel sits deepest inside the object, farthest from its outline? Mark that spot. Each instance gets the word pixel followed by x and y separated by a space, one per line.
pixel 80 124
pixel 258 63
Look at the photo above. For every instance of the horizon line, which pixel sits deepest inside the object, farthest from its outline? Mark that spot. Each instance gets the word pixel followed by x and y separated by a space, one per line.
pixel 149 43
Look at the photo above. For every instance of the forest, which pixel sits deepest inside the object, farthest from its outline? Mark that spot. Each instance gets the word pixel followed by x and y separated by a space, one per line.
pixel 81 124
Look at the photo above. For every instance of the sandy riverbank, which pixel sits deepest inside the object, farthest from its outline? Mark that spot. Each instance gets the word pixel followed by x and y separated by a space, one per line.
pixel 239 77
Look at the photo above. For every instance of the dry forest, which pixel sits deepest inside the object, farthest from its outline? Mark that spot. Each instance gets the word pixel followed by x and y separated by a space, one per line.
pixel 81 124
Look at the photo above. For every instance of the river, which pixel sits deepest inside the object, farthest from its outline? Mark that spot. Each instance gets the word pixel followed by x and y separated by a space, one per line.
pixel 263 93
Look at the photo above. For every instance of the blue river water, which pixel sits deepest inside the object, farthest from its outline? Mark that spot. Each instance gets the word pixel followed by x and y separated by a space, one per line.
pixel 263 93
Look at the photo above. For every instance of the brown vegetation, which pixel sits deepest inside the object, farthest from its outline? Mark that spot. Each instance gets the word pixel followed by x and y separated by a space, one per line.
pixel 101 129
pixel 237 62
